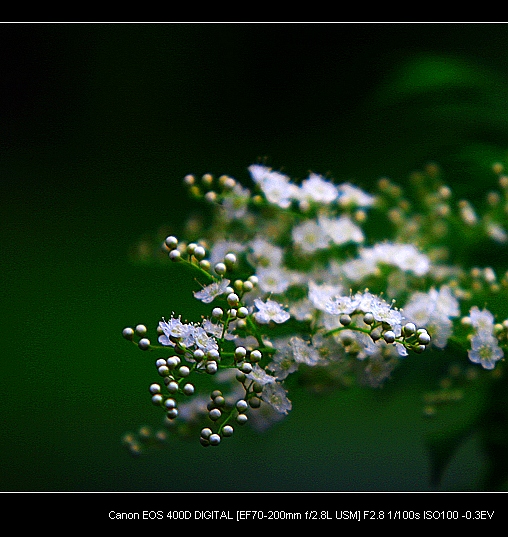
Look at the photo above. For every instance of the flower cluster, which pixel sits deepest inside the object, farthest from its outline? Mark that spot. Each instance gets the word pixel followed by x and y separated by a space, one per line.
pixel 485 349
pixel 297 281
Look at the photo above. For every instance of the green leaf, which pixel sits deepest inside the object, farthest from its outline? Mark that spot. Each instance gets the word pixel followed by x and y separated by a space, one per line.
pixel 441 447
pixel 434 74
pixel 455 423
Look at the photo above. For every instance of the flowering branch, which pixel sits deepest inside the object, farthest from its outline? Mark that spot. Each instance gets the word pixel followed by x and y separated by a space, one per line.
pixel 295 276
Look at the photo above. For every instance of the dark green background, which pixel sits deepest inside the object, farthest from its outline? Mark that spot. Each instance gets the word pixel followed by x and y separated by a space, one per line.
pixel 98 125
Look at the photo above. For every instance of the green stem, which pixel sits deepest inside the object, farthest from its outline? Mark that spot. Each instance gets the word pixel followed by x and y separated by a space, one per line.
pixel 254 330
pixel 210 277
pixel 227 419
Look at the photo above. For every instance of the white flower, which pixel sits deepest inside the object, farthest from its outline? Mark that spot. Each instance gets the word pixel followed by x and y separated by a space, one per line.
pixel 339 305
pixel 203 340
pixel 378 370
pixel 467 213
pixel 260 376
pixel 329 348
pixel 341 230
pixel 318 189
pixel 358 269
pixel 276 396
pixel 263 253
pixel 175 329
pixel 277 189
pixel 485 350
pixel 302 310
pixel 350 195
pixel 489 274
pixel 236 201
pixel 482 321
pixel 283 362
pixel 276 186
pixel 496 232
pixel 404 256
pixel 164 339
pixel 215 289
pixel 319 294
pixel 433 311
pixel 270 311
pixel 264 417
pixel 303 352
pixel 401 350
pixel 362 344
pixel 409 259
pixel 273 279
pixel 258 172
pixel 445 303
pixel 420 308
pixel 310 236
pixel 213 329
pixel 329 321
pixel 380 309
